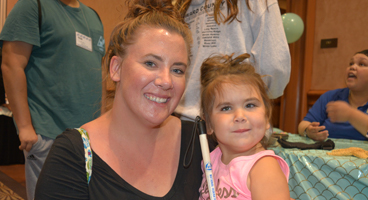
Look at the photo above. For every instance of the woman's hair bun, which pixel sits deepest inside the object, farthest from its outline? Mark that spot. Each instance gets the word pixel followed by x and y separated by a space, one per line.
pixel 138 8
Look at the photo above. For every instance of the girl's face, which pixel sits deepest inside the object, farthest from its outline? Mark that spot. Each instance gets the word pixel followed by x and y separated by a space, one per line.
pixel 151 78
pixel 357 73
pixel 239 121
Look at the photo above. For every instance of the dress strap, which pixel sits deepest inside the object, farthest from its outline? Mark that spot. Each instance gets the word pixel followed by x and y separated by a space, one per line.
pixel 87 152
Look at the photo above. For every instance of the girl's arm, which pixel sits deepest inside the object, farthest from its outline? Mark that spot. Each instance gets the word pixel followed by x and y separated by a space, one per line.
pixel 266 180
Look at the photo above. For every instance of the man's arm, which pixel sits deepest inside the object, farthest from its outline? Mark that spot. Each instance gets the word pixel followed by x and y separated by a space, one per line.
pixel 340 111
pixel 15 56
pixel 312 130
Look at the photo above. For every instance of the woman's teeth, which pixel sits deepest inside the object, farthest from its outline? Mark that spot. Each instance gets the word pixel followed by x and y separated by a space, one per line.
pixel 156 99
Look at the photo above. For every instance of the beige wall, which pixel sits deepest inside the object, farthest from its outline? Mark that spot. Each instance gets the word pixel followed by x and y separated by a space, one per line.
pixel 347 21
pixel 10 4
pixel 111 13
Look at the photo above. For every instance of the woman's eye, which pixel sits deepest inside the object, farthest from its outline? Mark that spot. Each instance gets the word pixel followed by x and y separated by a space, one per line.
pixel 226 108
pixel 150 64
pixel 178 71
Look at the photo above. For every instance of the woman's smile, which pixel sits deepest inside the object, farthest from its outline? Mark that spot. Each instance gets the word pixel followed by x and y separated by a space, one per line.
pixel 156 99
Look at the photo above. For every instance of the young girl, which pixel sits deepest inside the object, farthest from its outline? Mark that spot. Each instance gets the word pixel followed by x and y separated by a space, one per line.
pixel 237 110
pixel 235 26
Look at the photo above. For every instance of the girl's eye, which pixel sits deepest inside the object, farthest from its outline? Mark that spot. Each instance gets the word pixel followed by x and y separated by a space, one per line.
pixel 351 63
pixel 250 105
pixel 149 64
pixel 226 108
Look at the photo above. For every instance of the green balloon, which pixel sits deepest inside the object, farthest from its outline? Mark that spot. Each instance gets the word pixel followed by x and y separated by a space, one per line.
pixel 293 26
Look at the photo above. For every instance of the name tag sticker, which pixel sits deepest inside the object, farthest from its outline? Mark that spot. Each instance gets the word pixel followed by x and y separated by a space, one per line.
pixel 83 41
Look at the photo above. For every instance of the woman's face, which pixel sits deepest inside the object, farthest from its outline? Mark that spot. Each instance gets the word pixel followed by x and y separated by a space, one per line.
pixel 151 78
pixel 357 73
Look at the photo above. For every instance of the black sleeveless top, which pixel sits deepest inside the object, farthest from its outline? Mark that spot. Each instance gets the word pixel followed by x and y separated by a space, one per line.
pixel 64 176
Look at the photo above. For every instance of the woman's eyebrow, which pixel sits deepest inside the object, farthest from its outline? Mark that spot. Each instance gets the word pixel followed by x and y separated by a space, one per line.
pixel 159 58
pixel 154 56
pixel 181 63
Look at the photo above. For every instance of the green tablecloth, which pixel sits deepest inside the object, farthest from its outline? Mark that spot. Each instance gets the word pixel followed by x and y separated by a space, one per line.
pixel 316 175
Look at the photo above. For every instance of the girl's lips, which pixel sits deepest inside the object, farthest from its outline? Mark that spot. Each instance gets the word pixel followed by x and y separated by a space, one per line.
pixel 241 130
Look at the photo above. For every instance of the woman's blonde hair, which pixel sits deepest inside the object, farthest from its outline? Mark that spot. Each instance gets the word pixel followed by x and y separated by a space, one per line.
pixel 150 13
pixel 219 69
pixel 232 9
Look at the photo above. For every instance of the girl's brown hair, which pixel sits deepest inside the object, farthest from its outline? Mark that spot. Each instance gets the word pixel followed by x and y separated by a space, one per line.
pixel 220 69
pixel 150 13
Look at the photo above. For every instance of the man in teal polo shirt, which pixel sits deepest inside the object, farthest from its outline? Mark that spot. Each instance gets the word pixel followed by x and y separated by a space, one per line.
pixel 52 76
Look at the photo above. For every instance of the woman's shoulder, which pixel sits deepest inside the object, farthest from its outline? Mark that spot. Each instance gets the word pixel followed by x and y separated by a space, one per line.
pixel 70 139
pixel 69 133
pixel 97 126
pixel 186 125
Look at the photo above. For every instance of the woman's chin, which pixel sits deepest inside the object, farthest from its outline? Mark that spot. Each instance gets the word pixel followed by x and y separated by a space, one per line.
pixel 156 118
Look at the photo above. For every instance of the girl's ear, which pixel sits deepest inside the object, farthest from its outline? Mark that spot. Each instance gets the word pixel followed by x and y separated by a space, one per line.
pixel 209 130
pixel 115 67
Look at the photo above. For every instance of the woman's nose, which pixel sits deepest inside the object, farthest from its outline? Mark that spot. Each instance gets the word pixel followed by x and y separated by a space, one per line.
pixel 164 79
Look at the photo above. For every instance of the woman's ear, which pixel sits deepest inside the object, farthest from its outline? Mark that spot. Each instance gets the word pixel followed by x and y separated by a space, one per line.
pixel 115 67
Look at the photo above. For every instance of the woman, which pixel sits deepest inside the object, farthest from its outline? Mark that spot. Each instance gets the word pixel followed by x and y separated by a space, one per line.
pixel 342 113
pixel 235 26
pixel 137 146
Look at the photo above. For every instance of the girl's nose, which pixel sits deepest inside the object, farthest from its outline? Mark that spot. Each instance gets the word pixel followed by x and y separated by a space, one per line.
pixel 239 116
pixel 164 79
